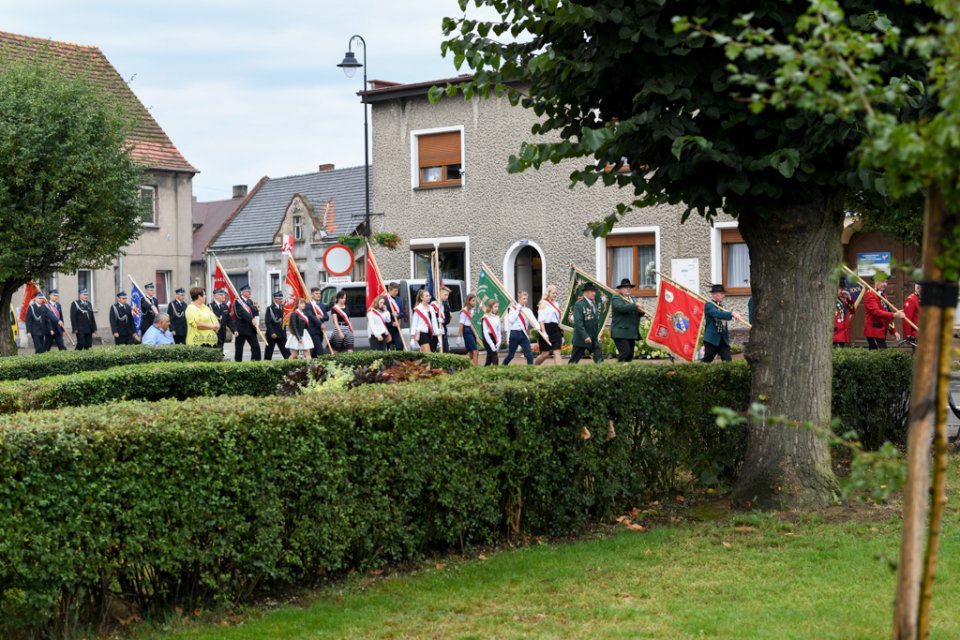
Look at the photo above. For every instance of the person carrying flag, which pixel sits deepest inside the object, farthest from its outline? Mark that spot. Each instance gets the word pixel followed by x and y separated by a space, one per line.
pixel 221 309
pixel 716 337
pixel 55 319
pixel 625 324
pixel 246 314
pixel 519 326
pixel 38 324
pixel 148 307
pixel 397 313
pixel 466 328
pixel 299 340
pixel 842 316
pixel 878 321
pixel 316 313
pixel 911 312
pixel 121 320
pixel 378 318
pixel 276 334
pixel 424 327
pixel 586 326
pixel 491 332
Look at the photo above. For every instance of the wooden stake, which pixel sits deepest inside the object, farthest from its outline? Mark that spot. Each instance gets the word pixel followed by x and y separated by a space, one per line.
pixel 887 302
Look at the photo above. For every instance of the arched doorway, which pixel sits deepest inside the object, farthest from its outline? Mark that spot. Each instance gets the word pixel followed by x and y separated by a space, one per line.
pixel 523 270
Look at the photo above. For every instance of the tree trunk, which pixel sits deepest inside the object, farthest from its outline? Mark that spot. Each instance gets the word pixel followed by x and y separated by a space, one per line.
pixel 792 257
pixel 7 345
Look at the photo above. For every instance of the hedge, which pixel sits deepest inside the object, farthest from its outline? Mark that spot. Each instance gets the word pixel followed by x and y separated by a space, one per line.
pixel 871 394
pixel 180 380
pixel 55 363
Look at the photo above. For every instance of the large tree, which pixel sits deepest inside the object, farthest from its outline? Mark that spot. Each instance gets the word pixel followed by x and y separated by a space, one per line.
pixel 69 196
pixel 616 79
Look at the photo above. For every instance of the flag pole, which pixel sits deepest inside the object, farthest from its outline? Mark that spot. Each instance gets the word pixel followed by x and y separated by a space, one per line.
pixel 697 295
pixel 596 281
pixel 396 321
pixel 890 304
pixel 303 287
pixel 435 268
pixel 513 300
pixel 236 295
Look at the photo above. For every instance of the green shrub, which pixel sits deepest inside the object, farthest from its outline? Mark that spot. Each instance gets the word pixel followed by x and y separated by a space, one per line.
pixel 55 363
pixel 871 394
pixel 180 380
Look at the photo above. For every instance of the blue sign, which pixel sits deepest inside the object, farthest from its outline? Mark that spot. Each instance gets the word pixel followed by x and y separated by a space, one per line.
pixel 869 264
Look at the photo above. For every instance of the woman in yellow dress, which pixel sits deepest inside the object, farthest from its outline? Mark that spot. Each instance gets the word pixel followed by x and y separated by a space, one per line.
pixel 202 323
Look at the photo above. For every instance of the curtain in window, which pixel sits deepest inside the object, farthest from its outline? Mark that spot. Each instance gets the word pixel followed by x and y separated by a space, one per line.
pixel 622 261
pixel 738 265
pixel 647 258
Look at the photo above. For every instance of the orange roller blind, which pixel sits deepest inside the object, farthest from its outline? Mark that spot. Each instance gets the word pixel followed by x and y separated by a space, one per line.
pixel 730 236
pixel 439 149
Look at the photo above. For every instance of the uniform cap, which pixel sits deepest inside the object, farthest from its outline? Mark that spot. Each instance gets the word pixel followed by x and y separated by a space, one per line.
pixel 245 287
pixel 121 294
pixel 180 290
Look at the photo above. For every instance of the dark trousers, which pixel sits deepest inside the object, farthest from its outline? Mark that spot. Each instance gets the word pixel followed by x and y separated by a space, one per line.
pixel 625 349
pixel 711 351
pixel 876 343
pixel 182 339
pixel 319 348
pixel 446 343
pixel 518 339
pixel 122 339
pixel 839 345
pixel 279 343
pixel 222 336
pixel 40 344
pixel 57 339
pixel 379 345
pixel 254 347
pixel 396 339
pixel 84 341
pixel 578 352
pixel 493 358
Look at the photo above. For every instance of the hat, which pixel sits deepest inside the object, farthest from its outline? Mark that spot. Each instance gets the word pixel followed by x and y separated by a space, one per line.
pixel 121 294
pixel 38 294
pixel 312 289
pixel 625 283
pixel 219 291
pixel 278 294
pixel 180 290
pixel 83 292
pixel 717 288
pixel 842 283
pixel 589 287
pixel 149 285
pixel 245 287
pixel 53 292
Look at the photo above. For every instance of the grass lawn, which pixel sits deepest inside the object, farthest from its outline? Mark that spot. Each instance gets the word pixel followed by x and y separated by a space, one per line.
pixel 743 576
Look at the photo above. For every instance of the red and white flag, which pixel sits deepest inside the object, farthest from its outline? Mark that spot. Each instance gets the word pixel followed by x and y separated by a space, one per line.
pixel 287 247
pixel 677 322
pixel 222 281
pixel 375 286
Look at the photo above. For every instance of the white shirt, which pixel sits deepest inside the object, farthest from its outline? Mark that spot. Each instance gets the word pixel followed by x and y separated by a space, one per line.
pixel 465 320
pixel 548 312
pixel 491 330
pixel 438 309
pixel 423 319
pixel 376 323
pixel 517 320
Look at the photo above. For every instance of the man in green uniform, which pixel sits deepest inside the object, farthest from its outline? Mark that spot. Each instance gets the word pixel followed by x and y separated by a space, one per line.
pixel 586 326
pixel 625 325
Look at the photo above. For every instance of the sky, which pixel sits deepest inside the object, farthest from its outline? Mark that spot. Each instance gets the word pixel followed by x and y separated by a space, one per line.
pixel 250 89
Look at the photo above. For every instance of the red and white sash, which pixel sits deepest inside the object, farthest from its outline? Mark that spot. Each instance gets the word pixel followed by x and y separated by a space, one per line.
pixel 304 316
pixel 492 331
pixel 425 319
pixel 343 316
pixel 555 308
pixel 523 320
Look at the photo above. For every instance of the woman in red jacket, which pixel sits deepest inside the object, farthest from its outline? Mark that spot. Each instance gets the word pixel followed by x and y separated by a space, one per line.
pixel 911 309
pixel 843 316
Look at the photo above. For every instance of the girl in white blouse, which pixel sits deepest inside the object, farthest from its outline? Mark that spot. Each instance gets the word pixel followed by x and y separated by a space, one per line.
pixel 548 315
pixel 466 328
pixel 378 319
pixel 491 332
pixel 424 327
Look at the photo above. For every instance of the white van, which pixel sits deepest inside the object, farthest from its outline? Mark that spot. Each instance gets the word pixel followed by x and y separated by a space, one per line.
pixel 357 307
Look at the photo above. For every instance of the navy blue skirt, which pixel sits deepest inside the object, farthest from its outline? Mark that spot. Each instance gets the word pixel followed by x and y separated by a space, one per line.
pixel 469 340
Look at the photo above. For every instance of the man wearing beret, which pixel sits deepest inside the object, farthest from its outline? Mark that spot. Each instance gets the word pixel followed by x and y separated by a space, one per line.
pixel 246 314
pixel 121 320
pixel 55 319
pixel 586 326
pixel 148 307
pixel 276 334
pixel 716 337
pixel 221 309
pixel 177 310
pixel 82 321
pixel 38 325
pixel 625 323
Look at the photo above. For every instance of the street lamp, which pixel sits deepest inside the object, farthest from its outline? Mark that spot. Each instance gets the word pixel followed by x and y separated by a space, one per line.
pixel 350 65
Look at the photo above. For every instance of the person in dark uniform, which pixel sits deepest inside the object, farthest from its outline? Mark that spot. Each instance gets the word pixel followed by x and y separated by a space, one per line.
pixel 586 326
pixel 148 307
pixel 121 320
pixel 55 319
pixel 396 317
pixel 177 310
pixel 246 314
pixel 276 334
pixel 716 337
pixel 316 314
pixel 625 324
pixel 221 309
pixel 441 307
pixel 82 321
pixel 38 324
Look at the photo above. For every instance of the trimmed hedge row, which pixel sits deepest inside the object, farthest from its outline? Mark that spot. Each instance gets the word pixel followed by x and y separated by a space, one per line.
pixel 164 380
pixel 56 363
pixel 871 394
pixel 173 502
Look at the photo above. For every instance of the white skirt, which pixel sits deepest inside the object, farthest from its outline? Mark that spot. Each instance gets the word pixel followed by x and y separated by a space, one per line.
pixel 299 345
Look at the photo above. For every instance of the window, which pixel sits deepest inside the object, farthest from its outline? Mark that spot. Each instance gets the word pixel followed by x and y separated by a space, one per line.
pixel 298 228
pixel 85 281
pixel 321 276
pixel 452 263
pixel 735 267
pixel 49 283
pixel 274 283
pixel 633 256
pixel 239 280
pixel 162 283
pixel 439 159
pixel 148 196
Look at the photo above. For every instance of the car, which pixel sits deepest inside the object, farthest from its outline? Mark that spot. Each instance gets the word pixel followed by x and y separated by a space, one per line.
pixel 357 306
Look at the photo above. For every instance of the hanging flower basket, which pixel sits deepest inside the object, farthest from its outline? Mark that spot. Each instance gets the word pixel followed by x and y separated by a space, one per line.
pixel 386 239
pixel 352 241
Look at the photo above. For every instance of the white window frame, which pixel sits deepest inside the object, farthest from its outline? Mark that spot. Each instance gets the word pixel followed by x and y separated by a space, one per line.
pixel 601 251
pixel 167 281
pixel 716 252
pixel 445 242
pixel 152 188
pixel 297 228
pixel 89 286
pixel 509 266
pixel 280 283
pixel 415 153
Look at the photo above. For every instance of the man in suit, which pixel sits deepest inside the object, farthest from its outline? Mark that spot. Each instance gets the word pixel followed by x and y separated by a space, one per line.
pixel 878 321
pixel 82 321
pixel 55 320
pixel 276 334
pixel 625 323
pixel 221 309
pixel 177 310
pixel 316 315
pixel 246 314
pixel 148 307
pixel 716 337
pixel 38 324
pixel 586 326
pixel 121 320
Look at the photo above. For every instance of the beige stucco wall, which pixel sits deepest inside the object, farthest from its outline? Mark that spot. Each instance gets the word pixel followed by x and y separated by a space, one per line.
pixel 496 210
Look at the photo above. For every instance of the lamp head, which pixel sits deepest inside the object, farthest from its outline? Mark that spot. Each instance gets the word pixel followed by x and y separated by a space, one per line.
pixel 350 64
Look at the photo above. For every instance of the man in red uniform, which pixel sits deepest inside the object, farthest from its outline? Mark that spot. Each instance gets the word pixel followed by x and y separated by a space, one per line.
pixel 843 316
pixel 879 320
pixel 911 312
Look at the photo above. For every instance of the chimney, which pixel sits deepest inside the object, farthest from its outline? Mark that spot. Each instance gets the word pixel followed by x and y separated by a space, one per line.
pixel 327 167
pixel 239 191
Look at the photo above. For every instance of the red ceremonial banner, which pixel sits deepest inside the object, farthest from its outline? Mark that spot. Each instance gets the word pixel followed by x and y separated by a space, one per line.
pixel 678 321
pixel 221 281
pixel 28 293
pixel 375 285
pixel 297 288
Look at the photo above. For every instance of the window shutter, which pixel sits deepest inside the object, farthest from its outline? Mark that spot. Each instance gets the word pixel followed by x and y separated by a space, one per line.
pixel 439 149
pixel 730 236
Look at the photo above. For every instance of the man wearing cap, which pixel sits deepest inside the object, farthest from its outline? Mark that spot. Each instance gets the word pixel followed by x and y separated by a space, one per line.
pixel 586 326
pixel 55 320
pixel 716 337
pixel 177 310
pixel 82 321
pixel 148 307
pixel 276 334
pixel 878 321
pixel 246 314
pixel 625 322
pixel 121 320
pixel 221 309
pixel 845 308
pixel 911 312
pixel 38 324
pixel 316 316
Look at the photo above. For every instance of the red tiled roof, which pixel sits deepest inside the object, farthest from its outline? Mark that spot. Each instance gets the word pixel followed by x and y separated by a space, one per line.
pixel 151 146
pixel 208 218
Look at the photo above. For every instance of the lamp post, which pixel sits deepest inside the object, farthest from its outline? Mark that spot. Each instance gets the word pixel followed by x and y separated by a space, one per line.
pixel 350 65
